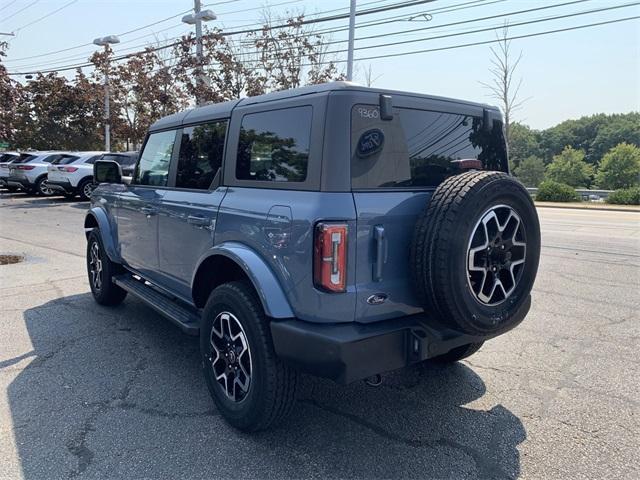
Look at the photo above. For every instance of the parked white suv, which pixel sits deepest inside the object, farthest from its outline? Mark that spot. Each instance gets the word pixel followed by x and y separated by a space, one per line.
pixel 5 159
pixel 29 172
pixel 73 175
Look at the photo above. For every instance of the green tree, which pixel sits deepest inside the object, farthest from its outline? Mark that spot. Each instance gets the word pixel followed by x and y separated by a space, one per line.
pixel 570 168
pixel 530 171
pixel 524 143
pixel 620 167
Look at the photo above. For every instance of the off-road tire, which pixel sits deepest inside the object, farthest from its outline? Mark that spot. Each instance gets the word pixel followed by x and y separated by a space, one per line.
pixel 439 250
pixel 272 388
pixel 458 353
pixel 108 293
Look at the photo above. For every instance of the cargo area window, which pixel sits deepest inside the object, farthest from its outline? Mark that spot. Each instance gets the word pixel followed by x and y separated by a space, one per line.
pixel 419 148
pixel 201 150
pixel 274 145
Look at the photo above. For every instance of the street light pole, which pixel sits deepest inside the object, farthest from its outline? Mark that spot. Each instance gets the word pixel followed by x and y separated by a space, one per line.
pixel 352 27
pixel 196 18
pixel 105 42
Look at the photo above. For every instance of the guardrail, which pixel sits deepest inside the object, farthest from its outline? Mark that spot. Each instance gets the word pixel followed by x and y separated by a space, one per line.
pixel 586 195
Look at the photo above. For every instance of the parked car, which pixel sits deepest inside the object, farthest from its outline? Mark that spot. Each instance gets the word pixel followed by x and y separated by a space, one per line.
pixel 5 159
pixel 29 172
pixel 126 160
pixel 72 175
pixel 334 229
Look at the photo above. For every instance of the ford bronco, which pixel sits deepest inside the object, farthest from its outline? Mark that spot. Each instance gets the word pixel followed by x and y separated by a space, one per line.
pixel 337 230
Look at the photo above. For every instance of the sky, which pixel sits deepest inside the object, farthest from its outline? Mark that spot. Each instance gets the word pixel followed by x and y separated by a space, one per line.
pixel 564 75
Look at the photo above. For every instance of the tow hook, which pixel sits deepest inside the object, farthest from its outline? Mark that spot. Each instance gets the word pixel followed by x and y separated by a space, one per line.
pixel 374 380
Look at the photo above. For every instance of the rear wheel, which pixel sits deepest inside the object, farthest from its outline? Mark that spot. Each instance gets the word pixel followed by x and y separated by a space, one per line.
pixel 475 252
pixel 85 188
pixel 43 188
pixel 251 387
pixel 101 270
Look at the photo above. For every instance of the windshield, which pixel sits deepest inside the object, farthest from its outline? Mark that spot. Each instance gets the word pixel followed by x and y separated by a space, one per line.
pixel 419 148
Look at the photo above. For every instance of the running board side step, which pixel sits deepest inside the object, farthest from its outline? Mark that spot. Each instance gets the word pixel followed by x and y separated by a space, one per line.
pixel 182 316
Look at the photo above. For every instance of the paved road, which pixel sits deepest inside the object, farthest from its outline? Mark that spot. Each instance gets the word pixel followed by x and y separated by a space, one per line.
pixel 94 392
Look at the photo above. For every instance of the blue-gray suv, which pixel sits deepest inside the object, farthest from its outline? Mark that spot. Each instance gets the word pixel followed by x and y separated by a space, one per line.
pixel 337 230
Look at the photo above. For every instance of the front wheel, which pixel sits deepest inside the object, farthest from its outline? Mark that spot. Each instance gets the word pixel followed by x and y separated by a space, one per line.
pixel 101 270
pixel 251 387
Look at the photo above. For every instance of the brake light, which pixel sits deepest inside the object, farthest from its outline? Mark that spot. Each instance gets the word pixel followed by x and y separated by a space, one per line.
pixel 330 257
pixel 70 169
pixel 26 167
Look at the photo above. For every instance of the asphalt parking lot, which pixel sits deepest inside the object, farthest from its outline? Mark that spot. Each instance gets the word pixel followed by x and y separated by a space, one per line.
pixel 88 391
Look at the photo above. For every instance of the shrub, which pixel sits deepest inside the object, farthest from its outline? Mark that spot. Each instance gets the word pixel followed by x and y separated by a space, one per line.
pixel 625 196
pixel 550 191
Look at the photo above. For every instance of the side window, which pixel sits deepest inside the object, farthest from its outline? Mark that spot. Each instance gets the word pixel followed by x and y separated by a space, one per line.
pixel 201 150
pixel 153 167
pixel 93 159
pixel 274 146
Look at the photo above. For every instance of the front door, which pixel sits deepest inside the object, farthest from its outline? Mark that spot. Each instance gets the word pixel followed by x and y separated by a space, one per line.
pixel 138 205
pixel 189 210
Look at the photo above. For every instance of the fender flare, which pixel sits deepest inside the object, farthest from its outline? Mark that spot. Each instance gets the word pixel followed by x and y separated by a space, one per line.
pixel 266 284
pixel 106 234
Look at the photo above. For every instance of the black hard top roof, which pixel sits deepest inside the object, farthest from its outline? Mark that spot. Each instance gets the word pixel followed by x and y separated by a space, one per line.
pixel 223 109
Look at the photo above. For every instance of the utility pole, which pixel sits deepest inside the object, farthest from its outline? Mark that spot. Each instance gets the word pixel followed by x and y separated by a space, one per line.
pixel 352 27
pixel 105 42
pixel 196 18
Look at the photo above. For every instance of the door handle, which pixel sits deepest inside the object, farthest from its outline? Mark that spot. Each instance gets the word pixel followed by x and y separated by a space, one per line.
pixel 197 220
pixel 381 252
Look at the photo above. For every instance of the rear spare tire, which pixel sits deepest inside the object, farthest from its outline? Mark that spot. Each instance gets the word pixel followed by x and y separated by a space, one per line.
pixel 475 252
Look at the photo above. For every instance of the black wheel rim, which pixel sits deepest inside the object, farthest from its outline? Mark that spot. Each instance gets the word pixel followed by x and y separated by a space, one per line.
pixel 230 356
pixel 496 255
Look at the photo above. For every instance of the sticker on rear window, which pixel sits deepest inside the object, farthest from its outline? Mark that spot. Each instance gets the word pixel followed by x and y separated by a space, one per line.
pixel 370 142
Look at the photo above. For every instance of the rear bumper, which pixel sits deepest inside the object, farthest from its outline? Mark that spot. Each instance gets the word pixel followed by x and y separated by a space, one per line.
pixel 20 182
pixel 61 185
pixel 349 352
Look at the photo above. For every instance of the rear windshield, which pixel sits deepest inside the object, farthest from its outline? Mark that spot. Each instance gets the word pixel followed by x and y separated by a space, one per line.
pixel 419 148
pixel 24 158
pixel 125 160
pixel 64 160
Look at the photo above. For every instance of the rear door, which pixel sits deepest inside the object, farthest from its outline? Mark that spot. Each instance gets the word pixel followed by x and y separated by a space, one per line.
pixel 138 204
pixel 395 167
pixel 188 210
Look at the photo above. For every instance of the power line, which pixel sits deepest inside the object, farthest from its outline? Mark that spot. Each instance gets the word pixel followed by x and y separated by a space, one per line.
pixel 8 5
pixel 47 15
pixel 89 53
pixel 21 10
pixel 274 27
pixel 464 45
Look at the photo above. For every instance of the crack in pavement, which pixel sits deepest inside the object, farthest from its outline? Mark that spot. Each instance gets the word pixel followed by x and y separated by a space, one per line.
pixel 486 468
pixel 77 445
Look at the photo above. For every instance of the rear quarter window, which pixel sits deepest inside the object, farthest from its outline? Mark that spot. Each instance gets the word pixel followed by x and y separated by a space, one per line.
pixel 418 148
pixel 274 145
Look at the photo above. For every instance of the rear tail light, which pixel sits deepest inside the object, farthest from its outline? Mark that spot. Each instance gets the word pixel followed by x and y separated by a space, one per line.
pixel 330 257
pixel 69 169
pixel 25 167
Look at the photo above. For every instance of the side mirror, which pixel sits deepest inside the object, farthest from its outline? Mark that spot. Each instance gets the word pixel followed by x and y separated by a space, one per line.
pixel 107 171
